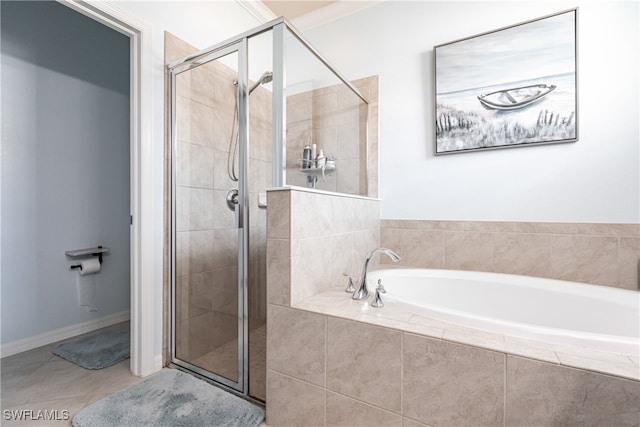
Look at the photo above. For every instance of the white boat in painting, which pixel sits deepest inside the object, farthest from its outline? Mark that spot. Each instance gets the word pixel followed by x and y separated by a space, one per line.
pixel 514 98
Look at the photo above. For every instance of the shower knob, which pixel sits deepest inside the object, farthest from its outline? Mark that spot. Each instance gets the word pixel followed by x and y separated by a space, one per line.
pixel 232 199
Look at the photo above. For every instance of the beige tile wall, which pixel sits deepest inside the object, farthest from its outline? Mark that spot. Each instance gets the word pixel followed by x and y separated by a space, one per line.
pixel 338 372
pixel 313 238
pixel 601 254
pixel 334 119
pixel 369 87
pixel 329 371
pixel 206 233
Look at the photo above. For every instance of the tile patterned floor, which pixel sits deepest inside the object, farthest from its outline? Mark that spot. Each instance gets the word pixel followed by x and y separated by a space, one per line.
pixel 37 380
pixel 36 383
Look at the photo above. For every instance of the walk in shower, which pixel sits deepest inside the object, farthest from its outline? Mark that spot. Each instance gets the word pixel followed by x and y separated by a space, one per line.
pixel 244 114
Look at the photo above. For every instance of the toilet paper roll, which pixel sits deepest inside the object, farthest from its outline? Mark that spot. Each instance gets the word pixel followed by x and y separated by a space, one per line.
pixel 90 266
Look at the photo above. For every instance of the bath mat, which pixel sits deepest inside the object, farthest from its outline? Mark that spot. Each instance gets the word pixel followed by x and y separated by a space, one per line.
pixel 173 399
pixel 97 349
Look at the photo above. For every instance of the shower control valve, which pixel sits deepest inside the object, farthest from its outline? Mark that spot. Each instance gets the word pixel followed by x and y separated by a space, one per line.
pixel 232 199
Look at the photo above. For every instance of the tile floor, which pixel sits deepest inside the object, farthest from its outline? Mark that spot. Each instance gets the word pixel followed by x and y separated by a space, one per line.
pixel 37 380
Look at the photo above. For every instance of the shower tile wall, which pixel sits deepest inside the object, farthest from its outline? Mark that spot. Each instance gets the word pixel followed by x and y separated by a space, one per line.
pixel 600 254
pixel 206 231
pixel 334 119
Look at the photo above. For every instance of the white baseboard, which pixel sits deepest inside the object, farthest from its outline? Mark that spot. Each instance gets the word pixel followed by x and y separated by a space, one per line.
pixel 29 343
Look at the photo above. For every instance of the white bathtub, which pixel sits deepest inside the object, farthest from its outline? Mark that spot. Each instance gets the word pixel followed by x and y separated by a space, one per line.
pixel 595 317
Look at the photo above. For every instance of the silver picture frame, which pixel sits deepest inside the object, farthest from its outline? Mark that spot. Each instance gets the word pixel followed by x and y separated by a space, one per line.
pixel 511 87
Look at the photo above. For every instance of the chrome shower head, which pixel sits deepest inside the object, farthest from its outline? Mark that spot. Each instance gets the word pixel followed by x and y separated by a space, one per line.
pixel 265 78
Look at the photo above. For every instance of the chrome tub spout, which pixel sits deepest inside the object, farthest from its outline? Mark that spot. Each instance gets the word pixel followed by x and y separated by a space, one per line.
pixel 362 292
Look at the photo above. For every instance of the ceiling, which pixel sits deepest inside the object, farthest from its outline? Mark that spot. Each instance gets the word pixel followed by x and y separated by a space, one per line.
pixel 293 9
pixel 304 14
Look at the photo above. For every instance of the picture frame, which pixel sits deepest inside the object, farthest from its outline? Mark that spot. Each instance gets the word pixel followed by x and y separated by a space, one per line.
pixel 511 87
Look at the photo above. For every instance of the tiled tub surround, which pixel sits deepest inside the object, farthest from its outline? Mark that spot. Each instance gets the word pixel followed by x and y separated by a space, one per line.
pixel 335 361
pixel 599 254
pixel 340 362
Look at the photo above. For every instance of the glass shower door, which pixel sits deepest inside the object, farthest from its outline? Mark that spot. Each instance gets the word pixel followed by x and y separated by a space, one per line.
pixel 209 218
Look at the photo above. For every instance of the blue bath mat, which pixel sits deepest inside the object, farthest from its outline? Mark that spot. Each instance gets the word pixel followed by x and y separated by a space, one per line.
pixel 96 350
pixel 170 398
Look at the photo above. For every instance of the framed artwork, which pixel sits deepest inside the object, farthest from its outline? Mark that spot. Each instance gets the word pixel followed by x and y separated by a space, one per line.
pixel 512 87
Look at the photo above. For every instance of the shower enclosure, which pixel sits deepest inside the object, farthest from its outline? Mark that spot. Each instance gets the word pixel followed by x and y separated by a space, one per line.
pixel 242 112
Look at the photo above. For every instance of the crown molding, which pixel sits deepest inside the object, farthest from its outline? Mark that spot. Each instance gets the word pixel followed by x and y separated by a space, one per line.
pixel 258 10
pixel 331 12
pixel 321 16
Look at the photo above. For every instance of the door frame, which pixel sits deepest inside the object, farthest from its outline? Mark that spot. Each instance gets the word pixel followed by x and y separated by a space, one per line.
pixel 144 361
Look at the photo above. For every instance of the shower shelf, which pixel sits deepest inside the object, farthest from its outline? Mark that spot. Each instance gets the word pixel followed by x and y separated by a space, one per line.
pixel 328 170
pixel 314 173
pixel 318 171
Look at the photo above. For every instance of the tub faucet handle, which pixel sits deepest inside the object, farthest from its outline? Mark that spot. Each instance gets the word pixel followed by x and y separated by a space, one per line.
pixel 377 300
pixel 350 288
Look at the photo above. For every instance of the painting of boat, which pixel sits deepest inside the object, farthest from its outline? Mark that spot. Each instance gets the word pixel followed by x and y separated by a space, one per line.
pixel 514 98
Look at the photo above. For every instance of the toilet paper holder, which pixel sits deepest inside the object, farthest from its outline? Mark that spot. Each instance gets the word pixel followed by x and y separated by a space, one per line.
pixel 97 251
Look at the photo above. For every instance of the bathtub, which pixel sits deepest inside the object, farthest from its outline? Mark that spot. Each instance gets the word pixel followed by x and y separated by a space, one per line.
pixel 577 314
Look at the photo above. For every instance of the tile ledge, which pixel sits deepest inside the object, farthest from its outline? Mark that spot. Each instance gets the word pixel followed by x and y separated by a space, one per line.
pixel 335 302
pixel 323 192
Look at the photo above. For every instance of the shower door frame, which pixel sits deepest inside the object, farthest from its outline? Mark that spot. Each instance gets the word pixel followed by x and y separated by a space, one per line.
pixel 279 27
pixel 241 209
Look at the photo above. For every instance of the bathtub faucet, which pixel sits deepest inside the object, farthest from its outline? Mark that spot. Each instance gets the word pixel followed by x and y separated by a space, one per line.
pixel 362 292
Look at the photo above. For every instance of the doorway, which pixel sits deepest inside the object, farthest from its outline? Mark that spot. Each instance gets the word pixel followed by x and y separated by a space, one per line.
pixel 65 171
pixel 144 341
pixel 146 338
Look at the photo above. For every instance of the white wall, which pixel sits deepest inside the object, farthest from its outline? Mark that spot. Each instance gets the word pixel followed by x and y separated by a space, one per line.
pixel 594 180
pixel 65 165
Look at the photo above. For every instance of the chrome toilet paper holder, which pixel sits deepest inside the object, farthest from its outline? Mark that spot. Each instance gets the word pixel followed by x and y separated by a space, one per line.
pixel 96 251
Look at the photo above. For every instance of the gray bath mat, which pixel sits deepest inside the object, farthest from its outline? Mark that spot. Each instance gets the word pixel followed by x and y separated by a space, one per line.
pixel 96 350
pixel 170 398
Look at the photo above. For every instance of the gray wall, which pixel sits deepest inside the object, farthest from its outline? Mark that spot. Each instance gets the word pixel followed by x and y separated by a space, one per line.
pixel 65 165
